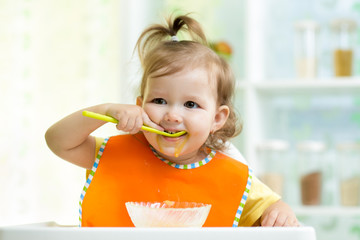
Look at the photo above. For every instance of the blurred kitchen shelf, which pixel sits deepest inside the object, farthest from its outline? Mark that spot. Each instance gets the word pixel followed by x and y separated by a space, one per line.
pixel 327 211
pixel 301 86
pixel 269 107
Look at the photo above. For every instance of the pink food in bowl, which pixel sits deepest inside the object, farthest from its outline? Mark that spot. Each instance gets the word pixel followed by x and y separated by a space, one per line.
pixel 168 214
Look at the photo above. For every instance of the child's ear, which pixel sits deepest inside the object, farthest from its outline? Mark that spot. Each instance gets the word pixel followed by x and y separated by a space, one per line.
pixel 221 116
pixel 139 101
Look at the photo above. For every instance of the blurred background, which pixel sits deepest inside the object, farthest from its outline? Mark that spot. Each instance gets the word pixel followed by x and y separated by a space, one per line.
pixel 297 65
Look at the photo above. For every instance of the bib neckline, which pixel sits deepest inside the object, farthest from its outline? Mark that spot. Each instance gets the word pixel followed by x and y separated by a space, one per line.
pixel 206 160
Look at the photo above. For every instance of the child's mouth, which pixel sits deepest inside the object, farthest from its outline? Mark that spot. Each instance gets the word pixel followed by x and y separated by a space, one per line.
pixel 171 132
pixel 174 132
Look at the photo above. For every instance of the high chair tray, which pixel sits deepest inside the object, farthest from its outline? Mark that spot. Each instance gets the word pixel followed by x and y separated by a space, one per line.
pixel 52 231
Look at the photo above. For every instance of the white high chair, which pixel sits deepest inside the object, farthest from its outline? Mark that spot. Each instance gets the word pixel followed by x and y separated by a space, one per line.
pixel 50 230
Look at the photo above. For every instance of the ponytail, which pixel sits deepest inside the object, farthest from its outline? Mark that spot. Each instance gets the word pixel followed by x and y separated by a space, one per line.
pixel 157 33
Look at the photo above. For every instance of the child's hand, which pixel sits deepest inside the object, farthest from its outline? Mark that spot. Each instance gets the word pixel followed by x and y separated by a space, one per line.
pixel 279 214
pixel 131 118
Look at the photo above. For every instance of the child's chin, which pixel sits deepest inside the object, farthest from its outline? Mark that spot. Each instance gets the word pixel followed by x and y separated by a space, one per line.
pixel 168 153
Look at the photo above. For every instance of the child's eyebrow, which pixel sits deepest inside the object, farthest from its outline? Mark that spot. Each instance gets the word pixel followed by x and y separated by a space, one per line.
pixel 156 94
pixel 194 98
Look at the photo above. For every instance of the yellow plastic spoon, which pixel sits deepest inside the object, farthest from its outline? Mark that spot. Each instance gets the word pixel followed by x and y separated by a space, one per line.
pixel 145 128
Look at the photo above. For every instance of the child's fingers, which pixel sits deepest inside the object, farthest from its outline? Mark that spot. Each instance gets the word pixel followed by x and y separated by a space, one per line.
pixel 291 222
pixel 136 127
pixel 279 214
pixel 150 123
pixel 269 219
pixel 129 119
pixel 276 219
pixel 130 125
pixel 125 124
pixel 280 220
pixel 122 122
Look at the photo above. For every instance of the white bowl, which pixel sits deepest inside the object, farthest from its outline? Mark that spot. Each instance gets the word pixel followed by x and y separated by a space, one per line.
pixel 168 214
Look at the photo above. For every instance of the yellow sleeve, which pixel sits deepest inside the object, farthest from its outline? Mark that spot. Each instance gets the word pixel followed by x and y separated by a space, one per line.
pixel 260 197
pixel 98 142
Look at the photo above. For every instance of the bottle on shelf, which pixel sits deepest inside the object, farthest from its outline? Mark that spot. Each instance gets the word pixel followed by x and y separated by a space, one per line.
pixel 310 157
pixel 272 155
pixel 344 36
pixel 306 52
pixel 348 158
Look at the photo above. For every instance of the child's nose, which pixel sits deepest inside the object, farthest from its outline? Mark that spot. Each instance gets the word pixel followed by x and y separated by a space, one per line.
pixel 173 116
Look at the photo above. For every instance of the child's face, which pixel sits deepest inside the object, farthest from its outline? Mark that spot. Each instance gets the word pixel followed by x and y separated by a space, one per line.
pixel 183 101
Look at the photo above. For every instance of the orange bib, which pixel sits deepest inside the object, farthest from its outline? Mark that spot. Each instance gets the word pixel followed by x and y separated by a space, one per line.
pixel 126 169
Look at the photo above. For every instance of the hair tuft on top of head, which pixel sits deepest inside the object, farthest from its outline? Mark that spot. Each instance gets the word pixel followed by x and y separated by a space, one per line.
pixel 158 33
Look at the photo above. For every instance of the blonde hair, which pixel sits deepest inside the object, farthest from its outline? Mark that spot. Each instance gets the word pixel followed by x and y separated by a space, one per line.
pixel 162 55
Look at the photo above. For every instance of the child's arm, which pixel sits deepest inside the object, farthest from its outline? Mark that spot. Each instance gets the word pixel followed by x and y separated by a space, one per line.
pixel 279 214
pixel 70 137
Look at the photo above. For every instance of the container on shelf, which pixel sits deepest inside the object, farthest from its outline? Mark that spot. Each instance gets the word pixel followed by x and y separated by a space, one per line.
pixel 344 36
pixel 348 159
pixel 306 49
pixel 310 157
pixel 272 155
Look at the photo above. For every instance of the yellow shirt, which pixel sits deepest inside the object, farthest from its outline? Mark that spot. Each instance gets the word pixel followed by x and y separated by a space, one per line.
pixel 260 197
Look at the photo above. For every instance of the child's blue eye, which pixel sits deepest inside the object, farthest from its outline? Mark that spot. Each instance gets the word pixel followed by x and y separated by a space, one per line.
pixel 191 104
pixel 158 101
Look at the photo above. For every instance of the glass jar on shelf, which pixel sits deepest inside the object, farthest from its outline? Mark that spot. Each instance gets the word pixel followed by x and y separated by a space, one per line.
pixel 310 157
pixel 348 158
pixel 306 49
pixel 344 37
pixel 272 156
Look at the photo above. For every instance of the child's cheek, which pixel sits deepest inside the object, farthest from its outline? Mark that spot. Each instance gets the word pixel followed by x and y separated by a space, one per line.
pixel 153 113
